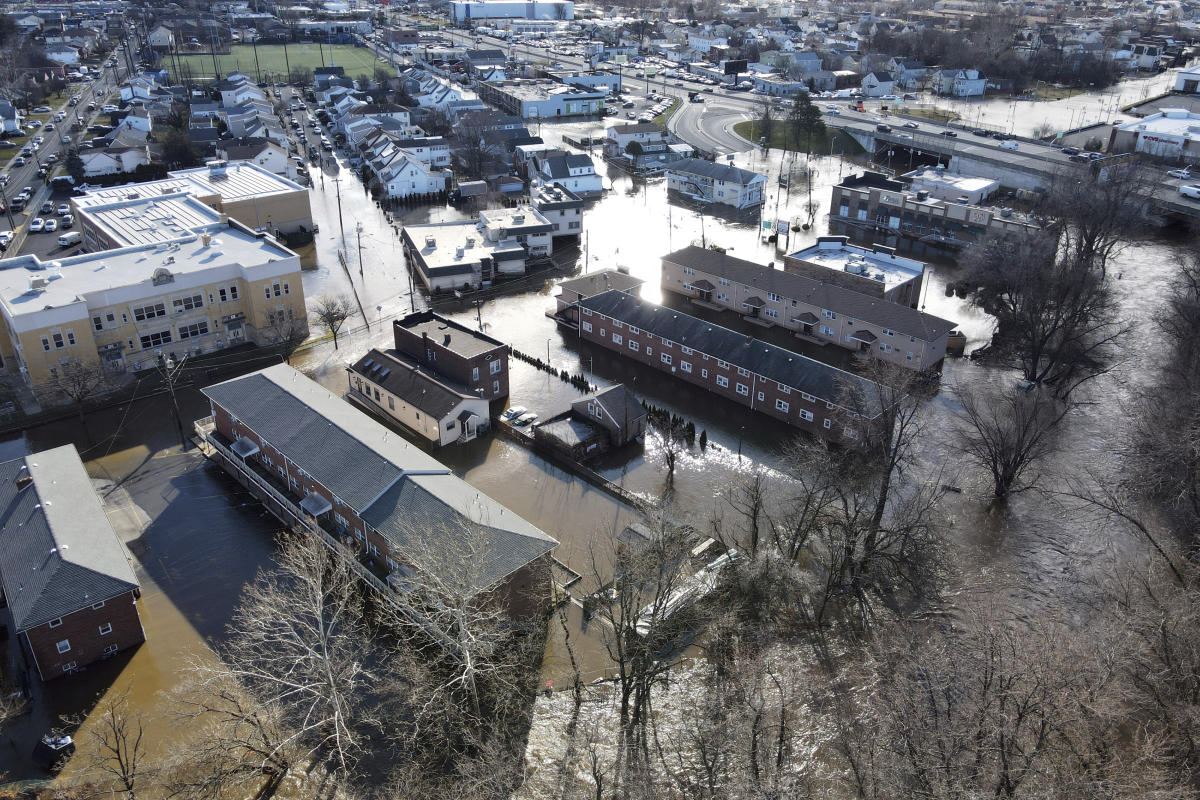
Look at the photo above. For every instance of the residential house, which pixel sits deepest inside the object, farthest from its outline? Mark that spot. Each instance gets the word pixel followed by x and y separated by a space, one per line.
pixel 64 54
pixel 786 386
pixel 909 72
pixel 162 39
pixel 959 82
pixel 820 309
pixel 466 358
pixel 69 588
pixel 595 424
pixel 262 152
pixel 426 404
pixel 113 160
pixel 720 184
pixel 878 84
pixel 468 254
pixel 402 176
pixel 575 172
pixel 560 206
pixel 327 469
pixel 11 118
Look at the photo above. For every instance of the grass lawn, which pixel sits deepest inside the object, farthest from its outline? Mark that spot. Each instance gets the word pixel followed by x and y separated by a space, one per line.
pixel 356 60
pixel 934 114
pixel 662 118
pixel 833 141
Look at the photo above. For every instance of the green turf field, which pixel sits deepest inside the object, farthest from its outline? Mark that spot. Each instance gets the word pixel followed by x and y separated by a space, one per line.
pixel 356 60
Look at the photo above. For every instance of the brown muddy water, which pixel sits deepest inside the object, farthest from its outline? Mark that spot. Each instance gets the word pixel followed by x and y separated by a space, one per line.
pixel 196 539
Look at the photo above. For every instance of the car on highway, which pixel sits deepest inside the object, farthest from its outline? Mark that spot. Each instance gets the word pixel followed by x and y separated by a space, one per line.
pixel 4 179
pixel 981 132
pixel 883 128
pixel 49 126
pixel 47 207
pixel 1071 151
pixel 912 125
pixel 66 140
pixel 19 161
pixel 1191 190
pixel 62 210
pixel 36 225
pixel 1184 173
pixel 951 134
pixel 42 110
pixel 68 221
pixel 52 158
pixel 37 140
pixel 1009 144
pixel 50 226
pixel 5 238
pixel 1079 158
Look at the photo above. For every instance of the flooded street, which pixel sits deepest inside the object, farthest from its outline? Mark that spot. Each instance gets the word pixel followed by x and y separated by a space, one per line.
pixel 196 538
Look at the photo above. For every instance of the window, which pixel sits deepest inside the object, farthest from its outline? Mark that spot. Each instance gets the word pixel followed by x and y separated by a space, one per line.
pixel 827 314
pixel 70 666
pixel 665 358
pixel 668 343
pixel 105 629
pixel 784 389
pixel 143 313
pixel 64 646
pixel 112 648
pixel 391 403
pixel 828 331
pixel 97 323
pixel 908 357
pixel 770 312
pixel 743 372
pixel 449 425
pixel 722 381
pixel 761 397
pixel 912 339
pixel 193 330
pixel 572 225
pixel 587 327
pixel 888 332
pixel 722 364
pixel 689 271
pixel 850 433
pixel 618 325
pixel 773 296
pixel 634 329
pixel 71 338
pixel 619 339
pixel 723 281
pixel 222 294
pixel 376 395
pixel 685 366
pixel 724 298
pixel 46 344
pixel 97 606
pixel 742 389
pixel 58 341
pixel 474 373
pixel 54 623
pixel 587 312
pixel 156 339
pixel 267 291
pixel 124 318
pixel 687 351
pixel 495 387
pixel 188 303
pixel 808 398
pixel 495 367
pixel 634 346
pixel 703 373
pixel 782 405
pixel 828 424
pixel 233 293
pixel 884 347
pixel 603 333
pixel 807 416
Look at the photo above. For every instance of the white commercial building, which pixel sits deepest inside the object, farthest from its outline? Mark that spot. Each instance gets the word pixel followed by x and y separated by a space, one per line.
pixel 1171 133
pixel 952 188
pixel 464 11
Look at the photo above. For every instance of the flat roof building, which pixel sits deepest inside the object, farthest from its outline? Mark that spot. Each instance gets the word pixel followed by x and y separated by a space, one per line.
pixel 874 270
pixel 1171 133
pixel 254 196
pixel 543 99
pixel 945 186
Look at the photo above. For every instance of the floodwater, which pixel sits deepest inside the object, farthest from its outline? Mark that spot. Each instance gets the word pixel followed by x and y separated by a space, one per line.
pixel 197 539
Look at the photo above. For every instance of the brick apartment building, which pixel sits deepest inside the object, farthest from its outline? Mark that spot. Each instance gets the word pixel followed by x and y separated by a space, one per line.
pixel 70 590
pixel 786 386
pixel 398 515
pixel 472 360
pixel 821 310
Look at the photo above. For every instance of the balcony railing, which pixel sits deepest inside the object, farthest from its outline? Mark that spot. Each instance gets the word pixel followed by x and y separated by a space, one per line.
pixel 294 516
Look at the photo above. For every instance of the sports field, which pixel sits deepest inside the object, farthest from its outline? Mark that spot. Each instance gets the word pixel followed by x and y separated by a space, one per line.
pixel 272 63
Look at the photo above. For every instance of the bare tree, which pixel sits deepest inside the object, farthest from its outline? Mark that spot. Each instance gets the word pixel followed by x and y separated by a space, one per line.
pixel 285 333
pixel 116 733
pixel 1008 434
pixel 79 382
pixel 331 313
pixel 1055 312
pixel 1094 216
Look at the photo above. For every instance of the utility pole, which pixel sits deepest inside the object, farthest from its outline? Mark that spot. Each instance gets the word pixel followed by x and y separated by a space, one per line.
pixel 337 182
pixel 358 230
pixel 170 370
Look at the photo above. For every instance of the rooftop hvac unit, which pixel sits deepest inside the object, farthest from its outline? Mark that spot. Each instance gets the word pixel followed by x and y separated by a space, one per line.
pixel 430 241
pixel 37 284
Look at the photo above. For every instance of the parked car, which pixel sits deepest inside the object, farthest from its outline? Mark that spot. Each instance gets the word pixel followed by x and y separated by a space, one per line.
pixel 1008 145
pixel 62 210
pixel 1184 173
pixel 19 161
pixel 1071 151
pixel 36 225
pixel 49 126
pixel 1080 158
pixel 42 110
pixel 912 125
pixel 47 207
pixel 68 221
pixel 981 132
pixel 951 134
pixel 66 140
pixel 1191 190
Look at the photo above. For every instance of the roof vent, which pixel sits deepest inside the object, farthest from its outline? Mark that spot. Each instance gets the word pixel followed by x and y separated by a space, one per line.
pixel 430 241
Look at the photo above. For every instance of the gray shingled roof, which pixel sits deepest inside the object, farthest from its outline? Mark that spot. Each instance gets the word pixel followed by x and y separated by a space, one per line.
pixel 449 334
pixel 773 363
pixel 900 318
pixel 59 553
pixel 602 281
pixel 406 380
pixel 621 403
pixel 450 530
pixel 718 172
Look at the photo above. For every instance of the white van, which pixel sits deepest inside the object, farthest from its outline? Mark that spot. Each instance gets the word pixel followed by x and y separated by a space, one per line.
pixel 70 239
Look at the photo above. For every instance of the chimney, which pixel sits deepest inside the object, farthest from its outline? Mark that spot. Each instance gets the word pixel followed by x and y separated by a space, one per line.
pixel 446 341
pixel 23 481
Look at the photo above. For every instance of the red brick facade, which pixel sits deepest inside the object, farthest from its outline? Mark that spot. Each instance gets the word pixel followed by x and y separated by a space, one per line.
pixel 476 373
pixel 82 634
pixel 776 400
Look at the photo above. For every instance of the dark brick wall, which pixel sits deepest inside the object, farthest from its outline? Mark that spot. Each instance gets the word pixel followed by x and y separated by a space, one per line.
pixel 82 631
